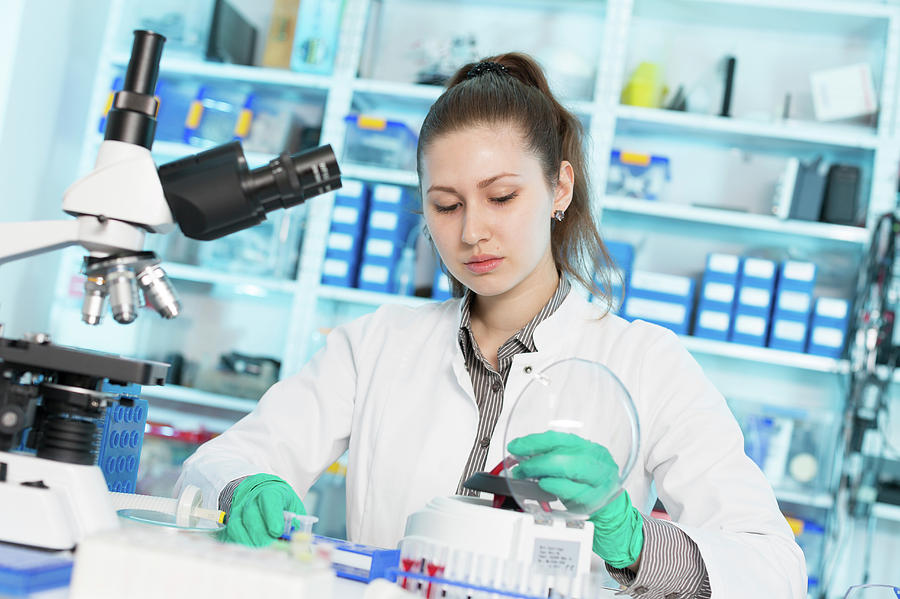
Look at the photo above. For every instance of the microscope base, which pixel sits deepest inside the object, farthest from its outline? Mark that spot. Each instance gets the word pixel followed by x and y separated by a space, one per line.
pixel 50 504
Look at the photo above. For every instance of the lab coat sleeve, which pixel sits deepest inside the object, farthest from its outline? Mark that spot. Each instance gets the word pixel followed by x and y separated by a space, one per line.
pixel 694 450
pixel 300 426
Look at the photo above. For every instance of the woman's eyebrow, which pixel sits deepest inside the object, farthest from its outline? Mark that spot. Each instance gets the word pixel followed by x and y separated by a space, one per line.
pixel 480 185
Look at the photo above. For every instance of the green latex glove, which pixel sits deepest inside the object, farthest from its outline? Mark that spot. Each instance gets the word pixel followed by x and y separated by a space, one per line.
pixel 582 474
pixel 256 517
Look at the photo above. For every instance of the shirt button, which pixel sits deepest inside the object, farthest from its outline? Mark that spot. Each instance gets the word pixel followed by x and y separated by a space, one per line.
pixel 485 443
pixel 527 370
pixel 497 386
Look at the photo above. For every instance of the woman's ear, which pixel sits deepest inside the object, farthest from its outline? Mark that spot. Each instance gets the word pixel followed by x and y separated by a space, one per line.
pixel 564 187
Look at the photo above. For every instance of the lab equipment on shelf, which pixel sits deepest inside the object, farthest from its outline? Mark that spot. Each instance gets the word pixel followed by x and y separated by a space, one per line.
pixel 220 113
pixel 380 142
pixel 316 36
pixel 636 175
pixel 793 447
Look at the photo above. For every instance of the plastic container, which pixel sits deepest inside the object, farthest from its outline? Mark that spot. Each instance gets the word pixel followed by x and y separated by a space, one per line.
pixel 175 99
pixel 635 175
pixel 793 447
pixel 269 249
pixel 219 114
pixel 379 142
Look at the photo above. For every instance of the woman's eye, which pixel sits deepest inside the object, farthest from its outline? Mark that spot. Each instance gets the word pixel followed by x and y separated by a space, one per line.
pixel 505 198
pixel 449 208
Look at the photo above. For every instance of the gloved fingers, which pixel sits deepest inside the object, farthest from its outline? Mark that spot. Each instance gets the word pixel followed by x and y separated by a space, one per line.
pixel 271 506
pixel 576 496
pixel 296 505
pixel 538 443
pixel 579 467
pixel 255 526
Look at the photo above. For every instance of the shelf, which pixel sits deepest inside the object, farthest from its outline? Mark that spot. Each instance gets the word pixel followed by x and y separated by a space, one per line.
pixel 401 90
pixel 743 220
pixel 652 121
pixel 380 175
pixel 819 500
pixel 198 397
pixel 369 298
pixel 233 72
pixel 886 511
pixel 837 17
pixel 185 272
pixel 709 347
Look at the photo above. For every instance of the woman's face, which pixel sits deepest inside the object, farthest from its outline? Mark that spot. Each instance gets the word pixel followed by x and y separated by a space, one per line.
pixel 488 207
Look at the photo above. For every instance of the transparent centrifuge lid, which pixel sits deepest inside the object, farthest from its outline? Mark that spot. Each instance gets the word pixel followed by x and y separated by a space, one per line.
pixel 579 407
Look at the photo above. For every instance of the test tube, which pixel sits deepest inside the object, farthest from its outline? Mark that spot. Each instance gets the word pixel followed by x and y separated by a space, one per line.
pixel 410 561
pixel 435 566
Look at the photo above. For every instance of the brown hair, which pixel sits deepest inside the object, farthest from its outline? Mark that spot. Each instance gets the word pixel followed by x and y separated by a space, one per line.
pixel 519 94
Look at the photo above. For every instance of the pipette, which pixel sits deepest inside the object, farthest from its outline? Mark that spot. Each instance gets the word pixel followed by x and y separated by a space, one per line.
pixel 185 508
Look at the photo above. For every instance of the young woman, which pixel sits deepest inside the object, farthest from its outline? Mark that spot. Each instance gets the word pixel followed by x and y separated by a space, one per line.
pixel 417 395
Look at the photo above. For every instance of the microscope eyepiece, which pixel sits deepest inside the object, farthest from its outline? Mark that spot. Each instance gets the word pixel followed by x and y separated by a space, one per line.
pixel 213 193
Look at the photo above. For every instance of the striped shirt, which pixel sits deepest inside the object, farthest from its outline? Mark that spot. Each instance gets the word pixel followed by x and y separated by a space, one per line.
pixel 489 383
pixel 671 565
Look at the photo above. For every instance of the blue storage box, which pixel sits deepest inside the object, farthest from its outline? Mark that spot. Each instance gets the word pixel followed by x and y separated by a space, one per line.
pixel 712 324
pixel 344 246
pixel 441 290
pixel 622 255
pixel 828 328
pixel 758 272
pixel 722 268
pixel 717 296
pixel 672 315
pixel 381 251
pixel 749 329
pixel 379 142
pixel 754 301
pixel 338 271
pixel 391 197
pixel 799 276
pixel 792 305
pixel 350 209
pixel 789 334
pixel 375 277
pixel 662 287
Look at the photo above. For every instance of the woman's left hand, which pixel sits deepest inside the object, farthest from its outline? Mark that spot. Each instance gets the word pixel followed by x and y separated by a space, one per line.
pixel 583 474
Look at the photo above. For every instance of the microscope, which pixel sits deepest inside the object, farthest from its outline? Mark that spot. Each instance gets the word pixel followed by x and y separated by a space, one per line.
pixel 52 398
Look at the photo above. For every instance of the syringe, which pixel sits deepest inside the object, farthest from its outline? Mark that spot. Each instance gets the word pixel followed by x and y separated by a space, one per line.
pixel 185 508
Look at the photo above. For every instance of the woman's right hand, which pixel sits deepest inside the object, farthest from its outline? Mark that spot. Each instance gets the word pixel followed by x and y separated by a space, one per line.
pixel 256 517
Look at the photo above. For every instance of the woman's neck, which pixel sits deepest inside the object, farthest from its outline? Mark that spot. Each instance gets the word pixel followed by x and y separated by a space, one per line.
pixel 504 315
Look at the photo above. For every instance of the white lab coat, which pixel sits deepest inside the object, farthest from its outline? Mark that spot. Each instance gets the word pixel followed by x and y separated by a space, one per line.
pixel 393 389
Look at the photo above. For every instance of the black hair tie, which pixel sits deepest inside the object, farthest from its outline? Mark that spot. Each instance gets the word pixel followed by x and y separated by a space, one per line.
pixel 486 67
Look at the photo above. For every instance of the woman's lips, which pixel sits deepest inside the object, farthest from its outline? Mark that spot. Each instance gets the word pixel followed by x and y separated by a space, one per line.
pixel 481 265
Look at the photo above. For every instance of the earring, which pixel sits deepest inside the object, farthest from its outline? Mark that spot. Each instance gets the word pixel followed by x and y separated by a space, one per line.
pixel 559 215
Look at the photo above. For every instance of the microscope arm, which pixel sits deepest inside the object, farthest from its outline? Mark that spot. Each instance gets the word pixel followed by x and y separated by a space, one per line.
pixel 21 240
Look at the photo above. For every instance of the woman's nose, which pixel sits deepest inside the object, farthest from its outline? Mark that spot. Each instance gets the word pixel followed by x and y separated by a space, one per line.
pixel 475 226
